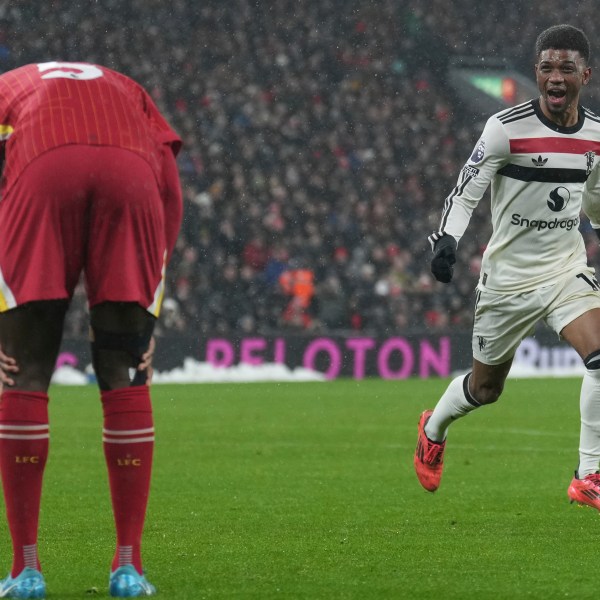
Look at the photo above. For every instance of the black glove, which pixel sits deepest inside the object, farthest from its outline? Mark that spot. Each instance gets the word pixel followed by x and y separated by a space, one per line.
pixel 444 256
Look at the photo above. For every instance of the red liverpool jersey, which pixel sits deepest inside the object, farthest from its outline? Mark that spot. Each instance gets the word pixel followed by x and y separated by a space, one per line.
pixel 46 105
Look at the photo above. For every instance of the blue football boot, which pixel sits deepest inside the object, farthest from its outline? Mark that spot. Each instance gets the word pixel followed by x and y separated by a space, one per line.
pixel 29 583
pixel 126 582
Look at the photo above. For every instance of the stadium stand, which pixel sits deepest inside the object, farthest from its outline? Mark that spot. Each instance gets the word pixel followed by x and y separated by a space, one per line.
pixel 317 138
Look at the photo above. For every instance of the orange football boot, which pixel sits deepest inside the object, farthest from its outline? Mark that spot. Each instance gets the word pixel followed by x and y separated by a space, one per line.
pixel 586 490
pixel 429 457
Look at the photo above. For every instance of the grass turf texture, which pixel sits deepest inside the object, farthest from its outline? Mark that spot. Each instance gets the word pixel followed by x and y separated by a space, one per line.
pixel 308 491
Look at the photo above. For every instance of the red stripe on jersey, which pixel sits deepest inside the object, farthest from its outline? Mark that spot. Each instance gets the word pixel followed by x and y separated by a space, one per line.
pixel 547 145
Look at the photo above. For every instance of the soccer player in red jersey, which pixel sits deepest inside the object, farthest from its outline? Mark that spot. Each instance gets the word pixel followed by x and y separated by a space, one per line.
pixel 90 185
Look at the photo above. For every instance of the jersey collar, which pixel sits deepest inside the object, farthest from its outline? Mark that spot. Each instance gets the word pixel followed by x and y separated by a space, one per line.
pixel 552 125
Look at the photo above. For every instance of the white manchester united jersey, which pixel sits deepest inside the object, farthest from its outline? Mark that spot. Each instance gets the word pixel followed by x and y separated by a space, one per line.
pixel 538 171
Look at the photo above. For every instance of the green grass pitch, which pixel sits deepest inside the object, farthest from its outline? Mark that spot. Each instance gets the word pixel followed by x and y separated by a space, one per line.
pixel 307 491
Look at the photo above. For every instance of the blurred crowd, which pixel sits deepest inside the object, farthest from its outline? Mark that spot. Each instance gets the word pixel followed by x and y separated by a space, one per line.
pixel 320 140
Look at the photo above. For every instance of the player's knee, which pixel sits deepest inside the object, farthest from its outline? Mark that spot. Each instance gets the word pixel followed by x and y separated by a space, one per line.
pixel 117 353
pixel 31 334
pixel 33 377
pixel 116 356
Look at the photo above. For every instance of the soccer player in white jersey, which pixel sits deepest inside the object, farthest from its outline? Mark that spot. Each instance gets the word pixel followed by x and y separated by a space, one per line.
pixel 540 158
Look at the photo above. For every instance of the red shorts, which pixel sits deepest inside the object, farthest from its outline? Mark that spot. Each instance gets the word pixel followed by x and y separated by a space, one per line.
pixel 90 209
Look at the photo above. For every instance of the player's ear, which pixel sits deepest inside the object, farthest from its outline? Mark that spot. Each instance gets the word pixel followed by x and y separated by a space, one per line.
pixel 587 75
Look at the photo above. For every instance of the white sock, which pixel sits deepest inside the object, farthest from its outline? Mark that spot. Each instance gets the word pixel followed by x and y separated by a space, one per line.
pixel 452 405
pixel 589 437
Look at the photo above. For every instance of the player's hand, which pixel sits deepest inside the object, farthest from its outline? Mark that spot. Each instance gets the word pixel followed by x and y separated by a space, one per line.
pixel 444 257
pixel 8 366
pixel 147 358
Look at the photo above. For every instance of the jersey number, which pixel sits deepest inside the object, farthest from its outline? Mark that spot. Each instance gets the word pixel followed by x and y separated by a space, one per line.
pixel 69 70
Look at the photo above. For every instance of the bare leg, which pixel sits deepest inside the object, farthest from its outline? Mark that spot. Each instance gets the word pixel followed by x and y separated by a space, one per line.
pixel 31 334
pixel 128 329
pixel 464 394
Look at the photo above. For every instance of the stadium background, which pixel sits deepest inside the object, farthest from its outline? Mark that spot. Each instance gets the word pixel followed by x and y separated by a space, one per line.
pixel 320 140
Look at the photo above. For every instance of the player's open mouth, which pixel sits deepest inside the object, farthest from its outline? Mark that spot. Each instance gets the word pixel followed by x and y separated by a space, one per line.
pixel 556 96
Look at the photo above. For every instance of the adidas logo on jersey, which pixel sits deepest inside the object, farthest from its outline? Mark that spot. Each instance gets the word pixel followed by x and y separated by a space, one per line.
pixel 539 162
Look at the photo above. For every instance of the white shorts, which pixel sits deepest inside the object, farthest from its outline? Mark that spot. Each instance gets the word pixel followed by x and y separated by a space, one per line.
pixel 502 321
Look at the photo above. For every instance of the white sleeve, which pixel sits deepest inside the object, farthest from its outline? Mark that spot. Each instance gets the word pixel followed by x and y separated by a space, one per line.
pixel 591 197
pixel 490 154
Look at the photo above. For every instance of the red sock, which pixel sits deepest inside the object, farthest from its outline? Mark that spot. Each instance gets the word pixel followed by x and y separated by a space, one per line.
pixel 128 437
pixel 24 439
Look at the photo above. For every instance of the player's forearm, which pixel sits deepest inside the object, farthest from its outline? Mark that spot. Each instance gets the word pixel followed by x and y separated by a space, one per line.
pixel 456 217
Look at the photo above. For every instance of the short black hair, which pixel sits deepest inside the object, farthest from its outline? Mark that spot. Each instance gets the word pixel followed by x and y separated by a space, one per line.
pixel 563 37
